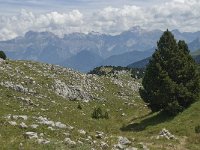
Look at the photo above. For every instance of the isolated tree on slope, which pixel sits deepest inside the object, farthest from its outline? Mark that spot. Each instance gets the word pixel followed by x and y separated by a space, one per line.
pixel 171 82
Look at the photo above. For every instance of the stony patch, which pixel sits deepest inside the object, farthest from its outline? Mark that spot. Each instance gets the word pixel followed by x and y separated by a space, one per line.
pixel 166 134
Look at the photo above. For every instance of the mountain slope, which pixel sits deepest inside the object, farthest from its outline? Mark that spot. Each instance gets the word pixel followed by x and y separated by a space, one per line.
pixel 83 61
pixel 144 62
pixel 49 107
pixel 196 53
pixel 197 58
pixel 126 58
pixel 194 45
pixel 140 64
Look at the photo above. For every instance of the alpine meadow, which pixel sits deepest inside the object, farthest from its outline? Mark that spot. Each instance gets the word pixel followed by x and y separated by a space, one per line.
pixel 100 75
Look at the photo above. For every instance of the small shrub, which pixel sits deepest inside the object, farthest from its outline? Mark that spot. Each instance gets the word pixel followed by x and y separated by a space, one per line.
pixel 2 55
pixel 106 116
pixel 98 114
pixel 197 129
pixel 79 106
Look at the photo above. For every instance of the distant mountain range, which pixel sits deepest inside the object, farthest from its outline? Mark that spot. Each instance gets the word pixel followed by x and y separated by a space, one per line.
pixel 140 64
pixel 83 61
pixel 196 56
pixel 84 51
pixel 144 62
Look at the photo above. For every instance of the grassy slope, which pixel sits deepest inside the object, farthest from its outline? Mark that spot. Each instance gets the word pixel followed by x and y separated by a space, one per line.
pixel 138 122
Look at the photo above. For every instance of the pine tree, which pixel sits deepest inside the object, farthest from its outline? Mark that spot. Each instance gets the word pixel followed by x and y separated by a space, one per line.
pixel 171 81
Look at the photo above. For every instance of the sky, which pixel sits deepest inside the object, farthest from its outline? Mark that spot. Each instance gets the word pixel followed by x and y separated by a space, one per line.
pixel 105 16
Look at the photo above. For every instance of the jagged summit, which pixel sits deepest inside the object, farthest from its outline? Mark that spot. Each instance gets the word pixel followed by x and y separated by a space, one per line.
pixel 136 29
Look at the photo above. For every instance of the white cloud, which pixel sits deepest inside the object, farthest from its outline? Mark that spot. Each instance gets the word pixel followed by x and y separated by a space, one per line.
pixel 17 25
pixel 7 34
pixel 112 20
pixel 175 14
pixel 172 14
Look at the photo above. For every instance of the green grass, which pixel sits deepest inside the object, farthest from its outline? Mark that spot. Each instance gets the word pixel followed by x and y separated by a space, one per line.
pixel 138 122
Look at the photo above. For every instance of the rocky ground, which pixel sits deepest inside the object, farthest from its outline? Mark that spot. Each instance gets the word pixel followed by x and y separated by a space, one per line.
pixel 49 107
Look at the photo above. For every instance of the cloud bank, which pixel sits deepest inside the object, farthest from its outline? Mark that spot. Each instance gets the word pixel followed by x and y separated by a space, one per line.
pixel 173 14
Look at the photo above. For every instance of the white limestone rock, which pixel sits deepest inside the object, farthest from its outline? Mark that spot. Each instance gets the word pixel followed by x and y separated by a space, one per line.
pixel 60 125
pixel 68 141
pixel 13 123
pixel 31 135
pixel 123 140
pixel 23 125
pixel 34 126
pixel 104 145
pixel 99 134
pixel 81 131
pixel 166 134
pixel 43 141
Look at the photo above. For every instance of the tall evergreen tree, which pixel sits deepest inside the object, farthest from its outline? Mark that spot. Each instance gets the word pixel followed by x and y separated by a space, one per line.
pixel 171 81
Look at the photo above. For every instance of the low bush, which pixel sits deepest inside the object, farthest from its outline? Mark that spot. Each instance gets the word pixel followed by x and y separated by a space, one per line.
pixel 2 55
pixel 99 114
pixel 197 129
pixel 79 106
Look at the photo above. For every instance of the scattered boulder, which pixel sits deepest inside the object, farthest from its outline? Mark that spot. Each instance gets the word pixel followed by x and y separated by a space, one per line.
pixel 80 142
pixel 81 131
pixel 89 137
pixel 104 145
pixel 2 60
pixel 13 123
pixel 31 135
pixel 43 141
pixel 68 141
pixel 166 134
pixel 34 126
pixel 51 128
pixel 99 134
pixel 45 121
pixel 24 117
pixel 60 125
pixel 70 127
pixel 23 125
pixel 123 141
pixel 123 114
pixel 66 134
pixel 119 147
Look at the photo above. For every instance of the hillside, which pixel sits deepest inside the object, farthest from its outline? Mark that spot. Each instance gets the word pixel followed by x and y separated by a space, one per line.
pixel 49 107
pixel 83 61
pixel 142 63
pixel 196 53
pixel 194 45
pixel 126 58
